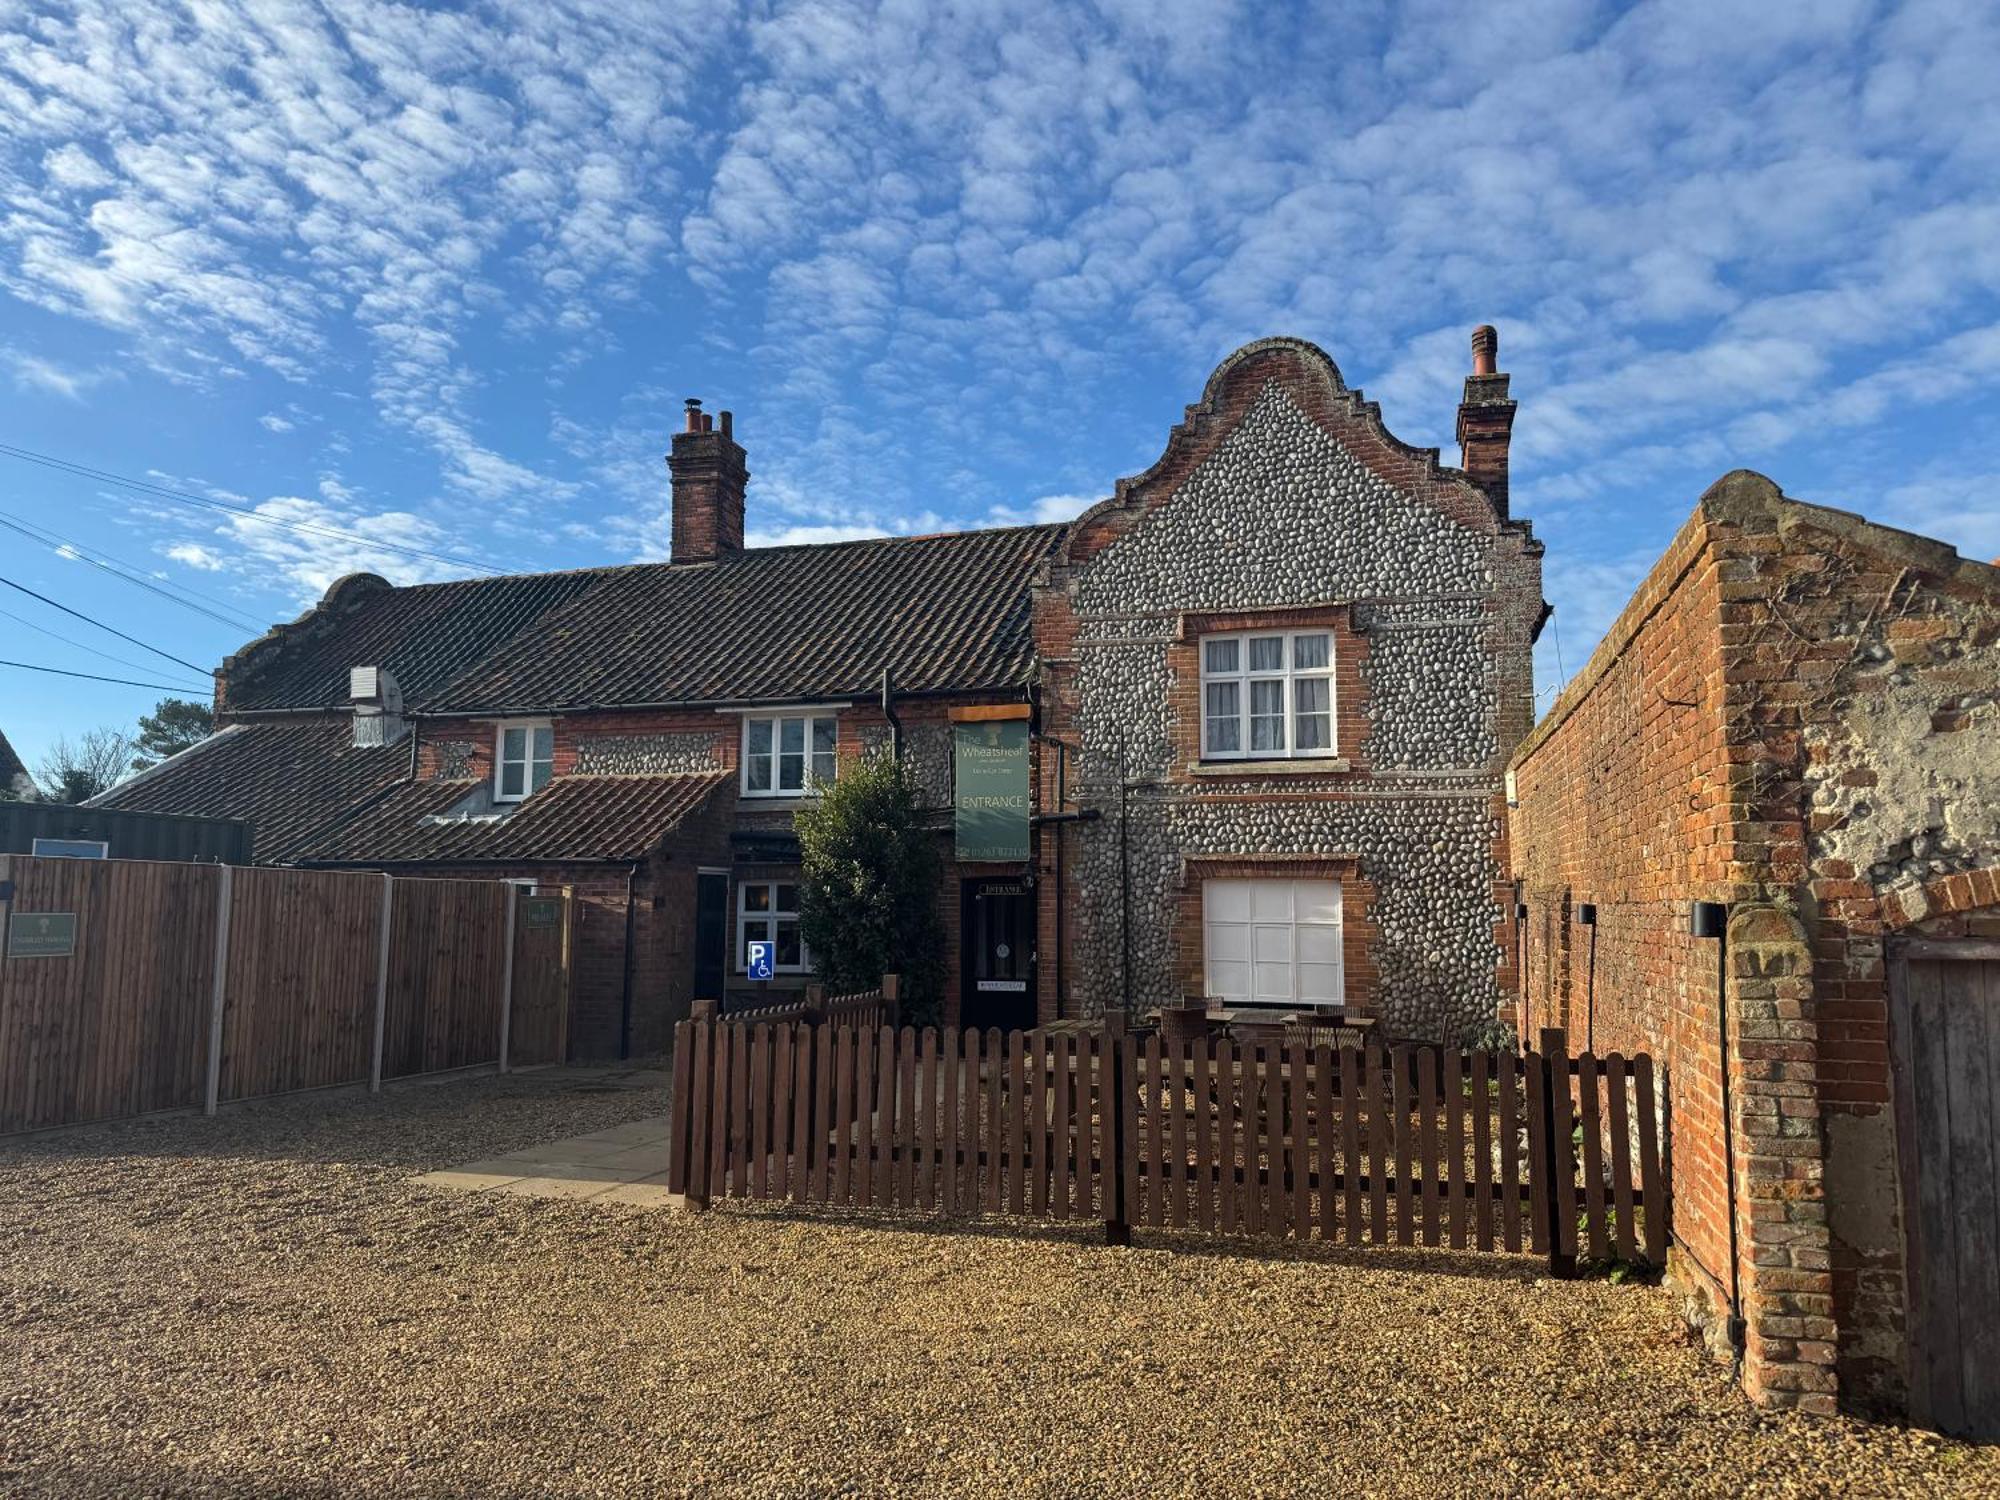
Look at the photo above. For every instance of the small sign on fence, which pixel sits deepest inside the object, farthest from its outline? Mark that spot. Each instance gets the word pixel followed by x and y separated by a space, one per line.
pixel 41 934
pixel 763 960
pixel 541 911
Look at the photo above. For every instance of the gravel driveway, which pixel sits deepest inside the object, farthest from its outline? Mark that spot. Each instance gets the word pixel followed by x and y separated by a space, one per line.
pixel 264 1303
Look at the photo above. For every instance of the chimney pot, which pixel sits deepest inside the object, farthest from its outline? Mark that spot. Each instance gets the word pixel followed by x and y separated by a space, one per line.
pixel 727 417
pixel 1485 349
pixel 693 405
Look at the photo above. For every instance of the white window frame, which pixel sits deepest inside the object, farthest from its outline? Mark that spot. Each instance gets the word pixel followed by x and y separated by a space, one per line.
pixel 529 727
pixel 1261 935
pixel 810 782
pixel 70 848
pixel 768 921
pixel 1289 675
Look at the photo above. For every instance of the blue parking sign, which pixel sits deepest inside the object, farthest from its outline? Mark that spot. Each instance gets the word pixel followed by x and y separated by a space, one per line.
pixel 763 960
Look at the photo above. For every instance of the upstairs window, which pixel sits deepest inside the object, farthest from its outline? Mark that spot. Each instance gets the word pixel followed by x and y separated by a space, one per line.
pixel 523 760
pixel 767 911
pixel 784 755
pixel 1267 695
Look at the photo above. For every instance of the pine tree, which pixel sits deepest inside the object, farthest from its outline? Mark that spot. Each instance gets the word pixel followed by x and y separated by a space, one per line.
pixel 173 726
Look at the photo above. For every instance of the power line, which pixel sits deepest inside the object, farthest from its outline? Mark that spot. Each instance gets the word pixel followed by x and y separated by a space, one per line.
pixel 52 635
pixel 133 639
pixel 146 487
pixel 118 568
pixel 158 687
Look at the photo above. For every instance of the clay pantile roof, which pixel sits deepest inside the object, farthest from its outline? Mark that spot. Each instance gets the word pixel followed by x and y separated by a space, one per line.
pixel 769 624
pixel 425 635
pixel 287 780
pixel 572 818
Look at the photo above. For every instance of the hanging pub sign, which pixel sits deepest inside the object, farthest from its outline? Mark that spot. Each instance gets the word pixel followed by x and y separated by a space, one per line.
pixel 990 785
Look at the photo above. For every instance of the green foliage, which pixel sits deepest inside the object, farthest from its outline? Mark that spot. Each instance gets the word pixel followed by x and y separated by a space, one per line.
pixel 869 875
pixel 174 725
pixel 1496 1035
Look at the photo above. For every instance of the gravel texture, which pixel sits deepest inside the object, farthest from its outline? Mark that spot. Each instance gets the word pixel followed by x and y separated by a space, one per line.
pixel 264 1303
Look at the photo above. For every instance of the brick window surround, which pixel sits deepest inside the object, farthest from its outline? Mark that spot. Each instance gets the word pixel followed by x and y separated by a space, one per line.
pixel 1357 915
pixel 1350 720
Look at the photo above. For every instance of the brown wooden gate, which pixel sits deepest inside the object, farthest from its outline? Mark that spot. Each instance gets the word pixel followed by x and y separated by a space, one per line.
pixel 539 1032
pixel 1408 1145
pixel 1945 1014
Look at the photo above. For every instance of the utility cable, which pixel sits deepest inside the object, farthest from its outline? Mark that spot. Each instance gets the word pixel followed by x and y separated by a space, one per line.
pixel 133 639
pixel 118 568
pixel 248 513
pixel 54 636
pixel 159 687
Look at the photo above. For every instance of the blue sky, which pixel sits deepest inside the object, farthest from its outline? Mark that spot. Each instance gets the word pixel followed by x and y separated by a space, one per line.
pixel 440 278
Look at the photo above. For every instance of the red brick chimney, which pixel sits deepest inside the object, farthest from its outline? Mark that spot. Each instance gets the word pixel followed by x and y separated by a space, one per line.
pixel 709 476
pixel 1486 419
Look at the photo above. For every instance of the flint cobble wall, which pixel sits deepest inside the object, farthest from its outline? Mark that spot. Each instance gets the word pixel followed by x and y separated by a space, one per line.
pixel 1282 502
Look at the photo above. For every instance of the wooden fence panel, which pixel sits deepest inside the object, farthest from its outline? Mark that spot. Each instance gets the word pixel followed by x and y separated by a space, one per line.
pixel 447 971
pixel 120 1025
pixel 299 1008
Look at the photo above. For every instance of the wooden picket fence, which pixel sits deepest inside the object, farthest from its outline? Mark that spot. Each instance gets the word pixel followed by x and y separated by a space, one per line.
pixel 1406 1145
pixel 813 1007
pixel 196 984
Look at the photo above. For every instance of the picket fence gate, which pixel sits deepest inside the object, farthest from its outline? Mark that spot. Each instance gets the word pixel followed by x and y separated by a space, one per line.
pixel 1405 1145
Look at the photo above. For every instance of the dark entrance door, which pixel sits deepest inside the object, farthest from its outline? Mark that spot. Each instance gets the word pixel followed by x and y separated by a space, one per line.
pixel 711 934
pixel 997 947
pixel 1944 1010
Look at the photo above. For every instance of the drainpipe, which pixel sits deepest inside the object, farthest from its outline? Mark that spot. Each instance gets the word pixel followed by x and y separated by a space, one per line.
pixel 625 998
pixel 1062 801
pixel 1710 919
pixel 889 713
pixel 1587 915
pixel 1124 878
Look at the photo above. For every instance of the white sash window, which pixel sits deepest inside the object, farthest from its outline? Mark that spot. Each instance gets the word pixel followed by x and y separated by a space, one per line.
pixel 1267 695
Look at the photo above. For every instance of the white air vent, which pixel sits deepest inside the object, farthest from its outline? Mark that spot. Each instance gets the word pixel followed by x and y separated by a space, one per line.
pixel 378 707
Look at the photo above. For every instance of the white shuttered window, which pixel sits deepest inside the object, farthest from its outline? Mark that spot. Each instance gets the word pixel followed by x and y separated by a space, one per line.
pixel 1273 942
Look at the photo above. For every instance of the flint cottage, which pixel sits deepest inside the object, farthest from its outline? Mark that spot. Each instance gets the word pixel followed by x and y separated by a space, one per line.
pixel 1266 691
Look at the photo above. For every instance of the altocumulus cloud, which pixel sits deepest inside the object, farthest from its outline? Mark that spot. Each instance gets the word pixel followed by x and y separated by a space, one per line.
pixel 965 256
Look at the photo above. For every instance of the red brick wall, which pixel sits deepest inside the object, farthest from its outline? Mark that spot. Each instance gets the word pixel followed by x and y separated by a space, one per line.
pixel 1621 802
pixel 1777 722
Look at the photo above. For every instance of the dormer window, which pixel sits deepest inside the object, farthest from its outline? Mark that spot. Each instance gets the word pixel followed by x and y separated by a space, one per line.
pixel 784 755
pixel 1267 695
pixel 523 759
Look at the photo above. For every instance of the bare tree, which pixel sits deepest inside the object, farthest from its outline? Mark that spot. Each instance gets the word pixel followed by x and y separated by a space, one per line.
pixel 76 770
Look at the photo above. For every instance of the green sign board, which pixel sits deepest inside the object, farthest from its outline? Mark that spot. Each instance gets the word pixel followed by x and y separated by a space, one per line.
pixel 990 764
pixel 541 911
pixel 41 934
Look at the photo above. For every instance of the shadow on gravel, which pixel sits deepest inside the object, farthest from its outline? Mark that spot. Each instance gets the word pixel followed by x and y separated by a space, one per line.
pixel 1517 1269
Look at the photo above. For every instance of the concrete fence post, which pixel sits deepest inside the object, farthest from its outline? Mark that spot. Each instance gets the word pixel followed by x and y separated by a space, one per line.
pixel 507 979
pixel 6 900
pixel 219 988
pixel 382 982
